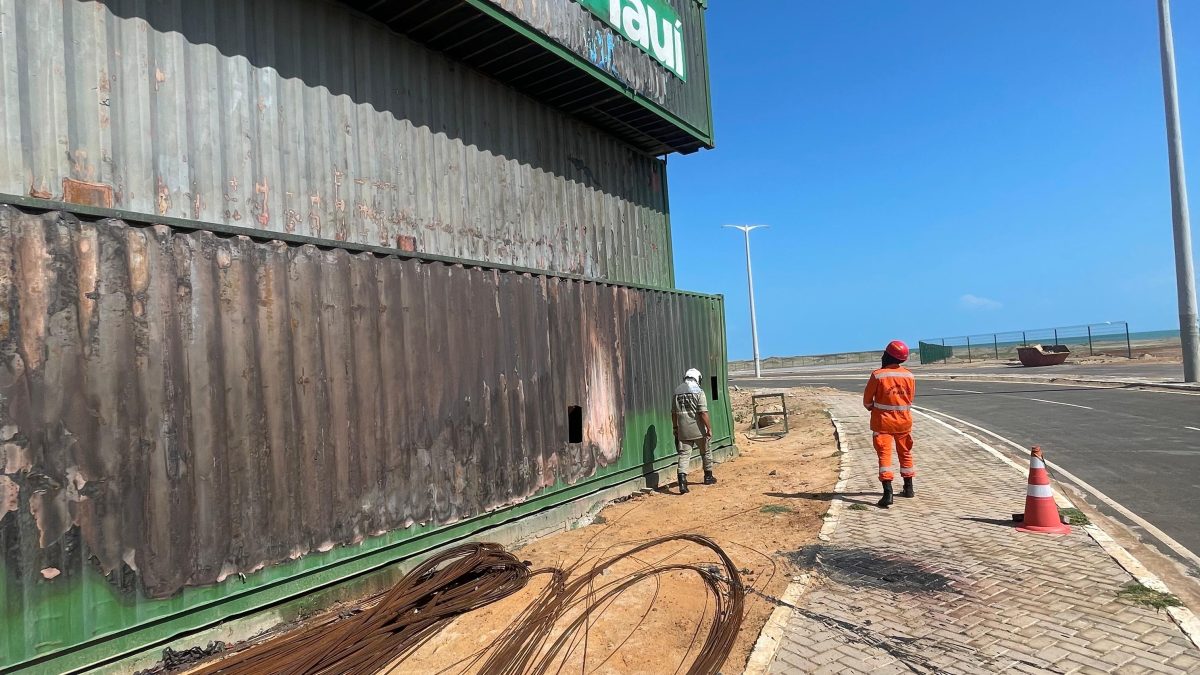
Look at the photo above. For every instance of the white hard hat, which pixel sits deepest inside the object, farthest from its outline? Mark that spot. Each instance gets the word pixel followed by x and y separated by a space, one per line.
pixel 692 374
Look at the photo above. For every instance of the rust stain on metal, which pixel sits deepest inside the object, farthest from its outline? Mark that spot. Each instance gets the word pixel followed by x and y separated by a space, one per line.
pixel 33 299
pixel 81 167
pixel 10 496
pixel 88 193
pixel 163 199
pixel 16 458
pixel 406 243
pixel 86 252
pixel 314 214
pixel 40 192
pixel 262 193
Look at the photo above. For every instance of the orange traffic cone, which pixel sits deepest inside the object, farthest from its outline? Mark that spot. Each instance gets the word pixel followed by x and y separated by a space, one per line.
pixel 1041 513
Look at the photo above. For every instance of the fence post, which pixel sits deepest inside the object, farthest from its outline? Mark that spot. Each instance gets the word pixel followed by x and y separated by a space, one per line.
pixel 1091 352
pixel 1128 344
pixel 996 344
pixel 1055 336
pixel 969 350
pixel 1024 340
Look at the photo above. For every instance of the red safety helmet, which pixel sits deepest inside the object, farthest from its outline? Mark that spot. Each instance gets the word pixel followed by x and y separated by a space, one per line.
pixel 897 350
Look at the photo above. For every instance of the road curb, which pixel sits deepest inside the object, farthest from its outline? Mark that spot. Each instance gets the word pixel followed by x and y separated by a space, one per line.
pixel 767 645
pixel 1183 617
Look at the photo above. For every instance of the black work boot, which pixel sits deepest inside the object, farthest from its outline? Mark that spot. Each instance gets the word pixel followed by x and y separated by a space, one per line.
pixel 886 501
pixel 709 479
pixel 683 484
pixel 908 489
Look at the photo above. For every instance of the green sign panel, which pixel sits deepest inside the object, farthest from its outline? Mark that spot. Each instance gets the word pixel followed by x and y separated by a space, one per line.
pixel 650 24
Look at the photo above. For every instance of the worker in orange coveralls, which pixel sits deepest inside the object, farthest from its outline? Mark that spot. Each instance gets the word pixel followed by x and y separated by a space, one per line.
pixel 889 397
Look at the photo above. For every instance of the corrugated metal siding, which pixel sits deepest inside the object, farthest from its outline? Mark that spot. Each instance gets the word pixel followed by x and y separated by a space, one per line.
pixel 180 408
pixel 573 26
pixel 301 116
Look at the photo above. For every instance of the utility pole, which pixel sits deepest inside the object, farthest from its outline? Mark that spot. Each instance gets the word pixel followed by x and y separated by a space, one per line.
pixel 1185 273
pixel 746 229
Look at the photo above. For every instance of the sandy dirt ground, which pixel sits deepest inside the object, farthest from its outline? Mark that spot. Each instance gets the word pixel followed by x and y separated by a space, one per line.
pixel 768 503
pixel 767 506
pixel 1163 354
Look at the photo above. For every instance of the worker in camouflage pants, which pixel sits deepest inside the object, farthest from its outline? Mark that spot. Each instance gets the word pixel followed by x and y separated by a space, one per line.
pixel 693 428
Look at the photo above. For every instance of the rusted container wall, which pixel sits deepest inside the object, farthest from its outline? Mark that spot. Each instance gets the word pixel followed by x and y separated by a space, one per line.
pixel 186 417
pixel 573 26
pixel 302 116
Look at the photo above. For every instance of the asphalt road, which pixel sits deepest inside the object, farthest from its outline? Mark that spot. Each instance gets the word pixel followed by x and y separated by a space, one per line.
pixel 1141 448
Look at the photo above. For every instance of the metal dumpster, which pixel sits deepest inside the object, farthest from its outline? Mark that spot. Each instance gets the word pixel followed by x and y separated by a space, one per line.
pixel 1041 355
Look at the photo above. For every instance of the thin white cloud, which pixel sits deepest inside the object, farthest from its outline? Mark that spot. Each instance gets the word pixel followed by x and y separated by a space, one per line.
pixel 969 301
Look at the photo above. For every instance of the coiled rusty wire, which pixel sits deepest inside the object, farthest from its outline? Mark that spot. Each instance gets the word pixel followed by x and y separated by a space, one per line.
pixel 443 587
pixel 524 649
pixel 472 576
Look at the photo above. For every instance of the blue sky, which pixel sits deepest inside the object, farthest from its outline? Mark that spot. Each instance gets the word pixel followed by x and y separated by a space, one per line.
pixel 910 156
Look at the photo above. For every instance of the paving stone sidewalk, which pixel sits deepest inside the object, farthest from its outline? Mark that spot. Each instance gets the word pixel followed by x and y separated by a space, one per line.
pixel 943 582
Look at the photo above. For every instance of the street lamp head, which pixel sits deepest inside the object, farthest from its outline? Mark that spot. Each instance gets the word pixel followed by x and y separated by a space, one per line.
pixel 746 228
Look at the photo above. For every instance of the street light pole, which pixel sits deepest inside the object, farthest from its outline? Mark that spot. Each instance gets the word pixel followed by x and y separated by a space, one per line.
pixel 1189 331
pixel 746 229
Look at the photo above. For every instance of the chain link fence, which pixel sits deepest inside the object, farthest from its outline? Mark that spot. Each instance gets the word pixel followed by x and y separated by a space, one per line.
pixel 1098 339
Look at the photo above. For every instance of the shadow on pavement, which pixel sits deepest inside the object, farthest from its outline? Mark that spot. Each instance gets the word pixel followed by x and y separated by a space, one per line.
pixel 1003 522
pixel 877 569
pixel 827 496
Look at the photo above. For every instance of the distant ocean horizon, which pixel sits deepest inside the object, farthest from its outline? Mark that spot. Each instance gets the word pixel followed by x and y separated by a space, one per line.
pixel 1154 334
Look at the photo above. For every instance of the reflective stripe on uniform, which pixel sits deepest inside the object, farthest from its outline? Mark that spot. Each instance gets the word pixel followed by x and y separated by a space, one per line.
pixel 880 376
pixel 910 472
pixel 885 469
pixel 899 408
pixel 1040 491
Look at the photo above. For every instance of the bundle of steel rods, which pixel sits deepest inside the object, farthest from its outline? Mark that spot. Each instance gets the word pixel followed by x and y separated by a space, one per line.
pixel 427 598
pixel 472 576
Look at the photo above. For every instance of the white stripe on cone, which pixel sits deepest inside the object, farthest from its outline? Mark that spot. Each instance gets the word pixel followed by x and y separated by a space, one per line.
pixel 1040 491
